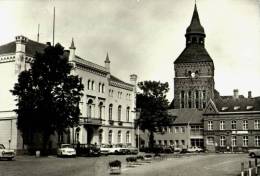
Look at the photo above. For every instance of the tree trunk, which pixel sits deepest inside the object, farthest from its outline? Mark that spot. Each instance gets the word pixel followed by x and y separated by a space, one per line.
pixel 151 139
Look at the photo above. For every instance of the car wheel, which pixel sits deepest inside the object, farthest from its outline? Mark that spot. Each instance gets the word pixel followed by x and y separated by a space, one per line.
pixel 253 155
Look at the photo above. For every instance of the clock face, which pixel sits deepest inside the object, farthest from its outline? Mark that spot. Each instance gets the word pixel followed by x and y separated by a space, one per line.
pixel 193 75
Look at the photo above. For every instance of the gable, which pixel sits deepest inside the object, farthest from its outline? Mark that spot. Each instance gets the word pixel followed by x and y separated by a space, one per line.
pixel 211 108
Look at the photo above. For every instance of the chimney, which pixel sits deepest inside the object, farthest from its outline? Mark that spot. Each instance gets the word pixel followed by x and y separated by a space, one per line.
pixel 236 93
pixel 249 94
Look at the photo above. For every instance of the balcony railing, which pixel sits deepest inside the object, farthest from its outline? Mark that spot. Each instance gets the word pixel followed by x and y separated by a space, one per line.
pixel 90 121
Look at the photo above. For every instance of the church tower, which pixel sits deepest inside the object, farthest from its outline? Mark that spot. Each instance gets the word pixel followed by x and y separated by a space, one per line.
pixel 194 69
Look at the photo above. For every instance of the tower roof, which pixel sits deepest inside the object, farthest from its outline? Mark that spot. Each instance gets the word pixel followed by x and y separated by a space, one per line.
pixel 72 46
pixel 193 54
pixel 107 59
pixel 195 26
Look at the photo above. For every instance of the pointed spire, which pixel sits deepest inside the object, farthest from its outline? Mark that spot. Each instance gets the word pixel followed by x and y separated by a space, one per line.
pixel 195 26
pixel 72 46
pixel 107 59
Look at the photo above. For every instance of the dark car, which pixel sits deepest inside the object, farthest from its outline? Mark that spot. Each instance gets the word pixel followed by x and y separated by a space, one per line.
pixel 87 150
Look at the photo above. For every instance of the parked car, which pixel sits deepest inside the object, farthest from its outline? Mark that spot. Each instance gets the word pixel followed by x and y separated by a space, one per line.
pixel 254 153
pixel 88 150
pixel 105 149
pixel 66 150
pixel 6 153
pixel 194 149
pixel 132 150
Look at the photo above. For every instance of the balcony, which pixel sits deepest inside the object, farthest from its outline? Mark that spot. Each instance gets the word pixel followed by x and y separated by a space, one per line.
pixel 90 121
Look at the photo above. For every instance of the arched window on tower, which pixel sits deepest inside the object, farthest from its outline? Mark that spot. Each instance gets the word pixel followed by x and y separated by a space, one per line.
pixel 196 99
pixel 182 99
pixel 194 40
pixel 190 100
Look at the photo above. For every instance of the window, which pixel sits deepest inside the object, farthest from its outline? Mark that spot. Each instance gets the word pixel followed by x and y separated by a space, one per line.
pixel 233 141
pixel 171 142
pixel 81 107
pixel 176 129
pixel 119 136
pixel 110 137
pixel 222 141
pixel 89 108
pixel 119 112
pixel 165 142
pixel 93 85
pixel 127 113
pixel 177 143
pixel 233 125
pixel 110 112
pixel 210 125
pixel 245 124
pixel 257 141
pixel 127 137
pixel 100 136
pixel 182 99
pixel 210 140
pixel 197 99
pixel 182 130
pixel 189 94
pixel 245 141
pixel 103 88
pixel 182 142
pixel 222 125
pixel 99 87
pixel 159 142
pixel 100 108
pixel 257 124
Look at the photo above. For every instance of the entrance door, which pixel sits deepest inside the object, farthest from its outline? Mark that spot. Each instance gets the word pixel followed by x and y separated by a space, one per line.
pixel 90 134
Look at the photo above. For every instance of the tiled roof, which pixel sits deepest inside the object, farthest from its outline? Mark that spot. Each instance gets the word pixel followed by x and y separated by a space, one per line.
pixel 231 104
pixel 193 54
pixel 8 48
pixel 113 78
pixel 186 116
pixel 30 49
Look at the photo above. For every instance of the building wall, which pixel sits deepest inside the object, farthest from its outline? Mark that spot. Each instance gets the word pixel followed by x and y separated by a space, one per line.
pixel 216 133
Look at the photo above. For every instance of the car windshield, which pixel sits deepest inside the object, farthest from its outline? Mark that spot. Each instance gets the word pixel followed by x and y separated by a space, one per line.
pixel 66 146
pixel 2 146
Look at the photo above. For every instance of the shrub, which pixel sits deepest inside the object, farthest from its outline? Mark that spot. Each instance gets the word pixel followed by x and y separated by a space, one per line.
pixel 140 157
pixel 131 159
pixel 115 163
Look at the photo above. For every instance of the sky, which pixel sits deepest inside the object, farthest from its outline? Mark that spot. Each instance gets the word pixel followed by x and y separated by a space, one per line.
pixel 144 37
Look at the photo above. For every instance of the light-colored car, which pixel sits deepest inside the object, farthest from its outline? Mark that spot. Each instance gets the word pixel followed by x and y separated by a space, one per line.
pixel 114 149
pixel 105 149
pixel 254 153
pixel 195 149
pixel 66 150
pixel 6 153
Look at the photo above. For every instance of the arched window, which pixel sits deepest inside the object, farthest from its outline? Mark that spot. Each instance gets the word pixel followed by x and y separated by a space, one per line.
pixel 89 108
pixel 110 110
pixel 119 136
pixel 77 134
pixel 127 113
pixel 119 112
pixel 128 137
pixel 93 85
pixel 99 87
pixel 110 137
pixel 100 109
pixel 103 88
pixel 100 136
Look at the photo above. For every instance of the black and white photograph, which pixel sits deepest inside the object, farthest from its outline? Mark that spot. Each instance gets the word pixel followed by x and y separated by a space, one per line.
pixel 129 87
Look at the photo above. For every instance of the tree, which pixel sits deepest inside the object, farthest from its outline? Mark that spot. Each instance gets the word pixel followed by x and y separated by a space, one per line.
pixel 153 105
pixel 47 96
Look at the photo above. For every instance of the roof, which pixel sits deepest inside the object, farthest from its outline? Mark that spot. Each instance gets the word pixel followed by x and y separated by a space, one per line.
pixel 31 48
pixel 186 116
pixel 231 104
pixel 194 54
pixel 195 26
pixel 113 78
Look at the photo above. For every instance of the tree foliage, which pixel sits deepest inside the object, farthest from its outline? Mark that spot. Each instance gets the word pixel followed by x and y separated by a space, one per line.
pixel 153 105
pixel 47 94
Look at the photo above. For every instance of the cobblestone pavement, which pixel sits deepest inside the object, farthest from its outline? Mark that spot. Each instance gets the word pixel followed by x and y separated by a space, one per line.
pixel 185 165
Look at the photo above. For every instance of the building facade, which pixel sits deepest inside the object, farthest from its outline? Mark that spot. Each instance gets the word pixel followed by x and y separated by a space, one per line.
pixel 107 106
pixel 232 123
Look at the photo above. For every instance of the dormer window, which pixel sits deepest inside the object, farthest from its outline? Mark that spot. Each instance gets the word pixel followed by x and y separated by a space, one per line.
pixel 249 107
pixel 236 108
pixel 224 108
